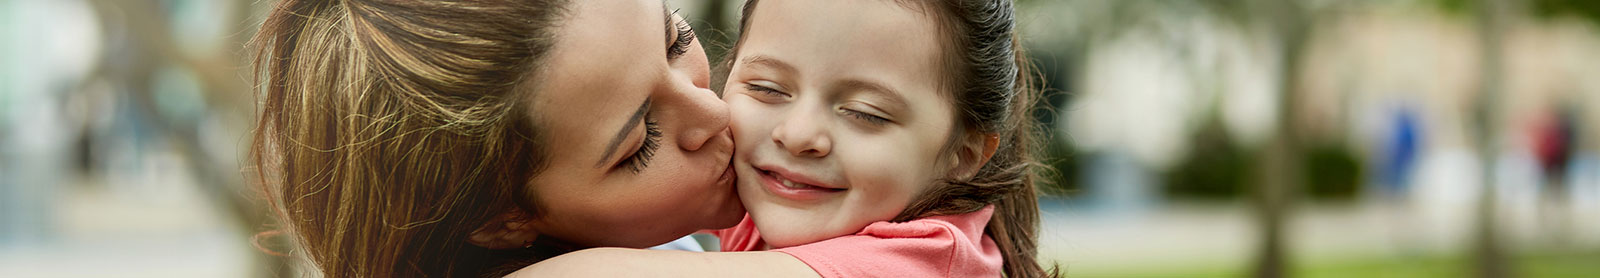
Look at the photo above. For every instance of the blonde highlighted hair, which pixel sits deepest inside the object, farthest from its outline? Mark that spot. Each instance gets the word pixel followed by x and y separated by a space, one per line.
pixel 389 130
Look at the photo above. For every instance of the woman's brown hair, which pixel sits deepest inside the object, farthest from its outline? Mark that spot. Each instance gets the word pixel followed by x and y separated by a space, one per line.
pixel 991 83
pixel 389 131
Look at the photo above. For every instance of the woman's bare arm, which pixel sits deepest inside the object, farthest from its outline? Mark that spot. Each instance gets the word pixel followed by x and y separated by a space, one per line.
pixel 624 262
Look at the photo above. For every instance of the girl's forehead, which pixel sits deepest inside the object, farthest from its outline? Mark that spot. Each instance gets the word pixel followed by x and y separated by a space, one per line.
pixel 879 41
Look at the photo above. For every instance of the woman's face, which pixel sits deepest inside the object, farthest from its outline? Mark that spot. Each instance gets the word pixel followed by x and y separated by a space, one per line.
pixel 638 146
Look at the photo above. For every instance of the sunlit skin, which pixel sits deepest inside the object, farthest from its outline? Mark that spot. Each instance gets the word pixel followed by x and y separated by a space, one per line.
pixel 837 93
pixel 610 58
pixel 832 140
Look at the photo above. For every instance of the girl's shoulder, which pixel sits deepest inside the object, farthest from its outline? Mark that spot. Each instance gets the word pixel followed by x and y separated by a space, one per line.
pixel 741 237
pixel 968 226
pixel 939 246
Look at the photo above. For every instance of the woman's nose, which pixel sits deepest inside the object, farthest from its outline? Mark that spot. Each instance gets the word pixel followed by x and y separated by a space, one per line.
pixel 702 112
pixel 704 116
pixel 803 135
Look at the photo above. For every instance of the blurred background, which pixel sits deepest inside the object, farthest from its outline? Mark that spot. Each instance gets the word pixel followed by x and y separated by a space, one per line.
pixel 1189 138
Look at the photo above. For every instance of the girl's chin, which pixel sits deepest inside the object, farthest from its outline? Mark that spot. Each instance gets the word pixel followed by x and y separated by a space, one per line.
pixel 799 230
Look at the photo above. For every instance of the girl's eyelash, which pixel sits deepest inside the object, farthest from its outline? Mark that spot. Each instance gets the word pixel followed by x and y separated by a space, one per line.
pixel 764 90
pixel 870 118
pixel 685 37
pixel 652 140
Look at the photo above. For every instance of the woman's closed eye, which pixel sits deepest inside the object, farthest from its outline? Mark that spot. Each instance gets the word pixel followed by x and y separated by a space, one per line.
pixel 640 158
pixel 680 44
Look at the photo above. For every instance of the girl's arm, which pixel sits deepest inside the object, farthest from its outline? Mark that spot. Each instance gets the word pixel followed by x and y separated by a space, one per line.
pixel 624 262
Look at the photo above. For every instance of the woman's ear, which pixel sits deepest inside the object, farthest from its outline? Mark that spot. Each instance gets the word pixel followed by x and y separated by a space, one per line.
pixel 974 152
pixel 507 230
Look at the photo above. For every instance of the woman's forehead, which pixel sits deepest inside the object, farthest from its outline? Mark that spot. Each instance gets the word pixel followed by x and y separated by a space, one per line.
pixel 608 55
pixel 608 58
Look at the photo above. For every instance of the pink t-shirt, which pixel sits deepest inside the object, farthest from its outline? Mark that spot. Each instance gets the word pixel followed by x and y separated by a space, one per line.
pixel 939 246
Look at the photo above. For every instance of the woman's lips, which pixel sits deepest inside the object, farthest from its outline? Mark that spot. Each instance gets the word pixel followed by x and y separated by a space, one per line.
pixel 727 176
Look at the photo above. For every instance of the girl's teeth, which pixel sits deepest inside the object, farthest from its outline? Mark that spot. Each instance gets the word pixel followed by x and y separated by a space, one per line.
pixel 795 185
pixel 790 184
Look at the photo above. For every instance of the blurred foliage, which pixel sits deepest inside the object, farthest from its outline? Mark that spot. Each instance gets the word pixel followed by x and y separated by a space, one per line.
pixel 1587 9
pixel 1456 6
pixel 1065 174
pixel 1059 154
pixel 1333 172
pixel 1216 167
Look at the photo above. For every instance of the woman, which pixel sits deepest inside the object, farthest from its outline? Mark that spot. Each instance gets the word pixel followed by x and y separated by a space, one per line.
pixel 470 138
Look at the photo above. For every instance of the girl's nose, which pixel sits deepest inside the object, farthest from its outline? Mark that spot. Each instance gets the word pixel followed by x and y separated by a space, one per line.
pixel 803 135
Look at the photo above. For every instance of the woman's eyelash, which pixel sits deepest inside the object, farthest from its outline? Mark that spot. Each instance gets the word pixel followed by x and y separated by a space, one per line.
pixel 870 118
pixel 685 37
pixel 652 140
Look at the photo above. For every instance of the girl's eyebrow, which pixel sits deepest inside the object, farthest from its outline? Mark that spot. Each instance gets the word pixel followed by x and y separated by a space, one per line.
pixel 889 95
pixel 770 62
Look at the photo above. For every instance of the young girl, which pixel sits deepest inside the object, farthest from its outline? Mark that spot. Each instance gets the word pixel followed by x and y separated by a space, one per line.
pixel 873 138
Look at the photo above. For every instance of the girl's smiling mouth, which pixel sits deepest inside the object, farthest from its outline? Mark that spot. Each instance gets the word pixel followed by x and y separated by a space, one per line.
pixel 790 185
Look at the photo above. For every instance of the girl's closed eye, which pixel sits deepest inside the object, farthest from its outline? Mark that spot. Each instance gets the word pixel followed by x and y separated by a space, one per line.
pixel 864 116
pixel 765 92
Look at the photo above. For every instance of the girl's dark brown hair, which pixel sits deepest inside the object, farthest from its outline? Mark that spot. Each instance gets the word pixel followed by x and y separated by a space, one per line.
pixel 992 85
pixel 390 130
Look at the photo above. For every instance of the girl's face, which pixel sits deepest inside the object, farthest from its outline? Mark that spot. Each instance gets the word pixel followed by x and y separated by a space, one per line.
pixel 837 116
pixel 638 146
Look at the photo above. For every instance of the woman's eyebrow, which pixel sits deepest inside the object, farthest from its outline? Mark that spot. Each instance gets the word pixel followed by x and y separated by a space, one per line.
pixel 666 21
pixel 611 149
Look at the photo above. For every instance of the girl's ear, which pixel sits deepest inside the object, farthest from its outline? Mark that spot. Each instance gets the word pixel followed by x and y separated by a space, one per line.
pixel 974 152
pixel 507 230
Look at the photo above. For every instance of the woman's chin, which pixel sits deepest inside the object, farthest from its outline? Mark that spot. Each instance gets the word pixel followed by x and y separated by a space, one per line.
pixel 729 217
